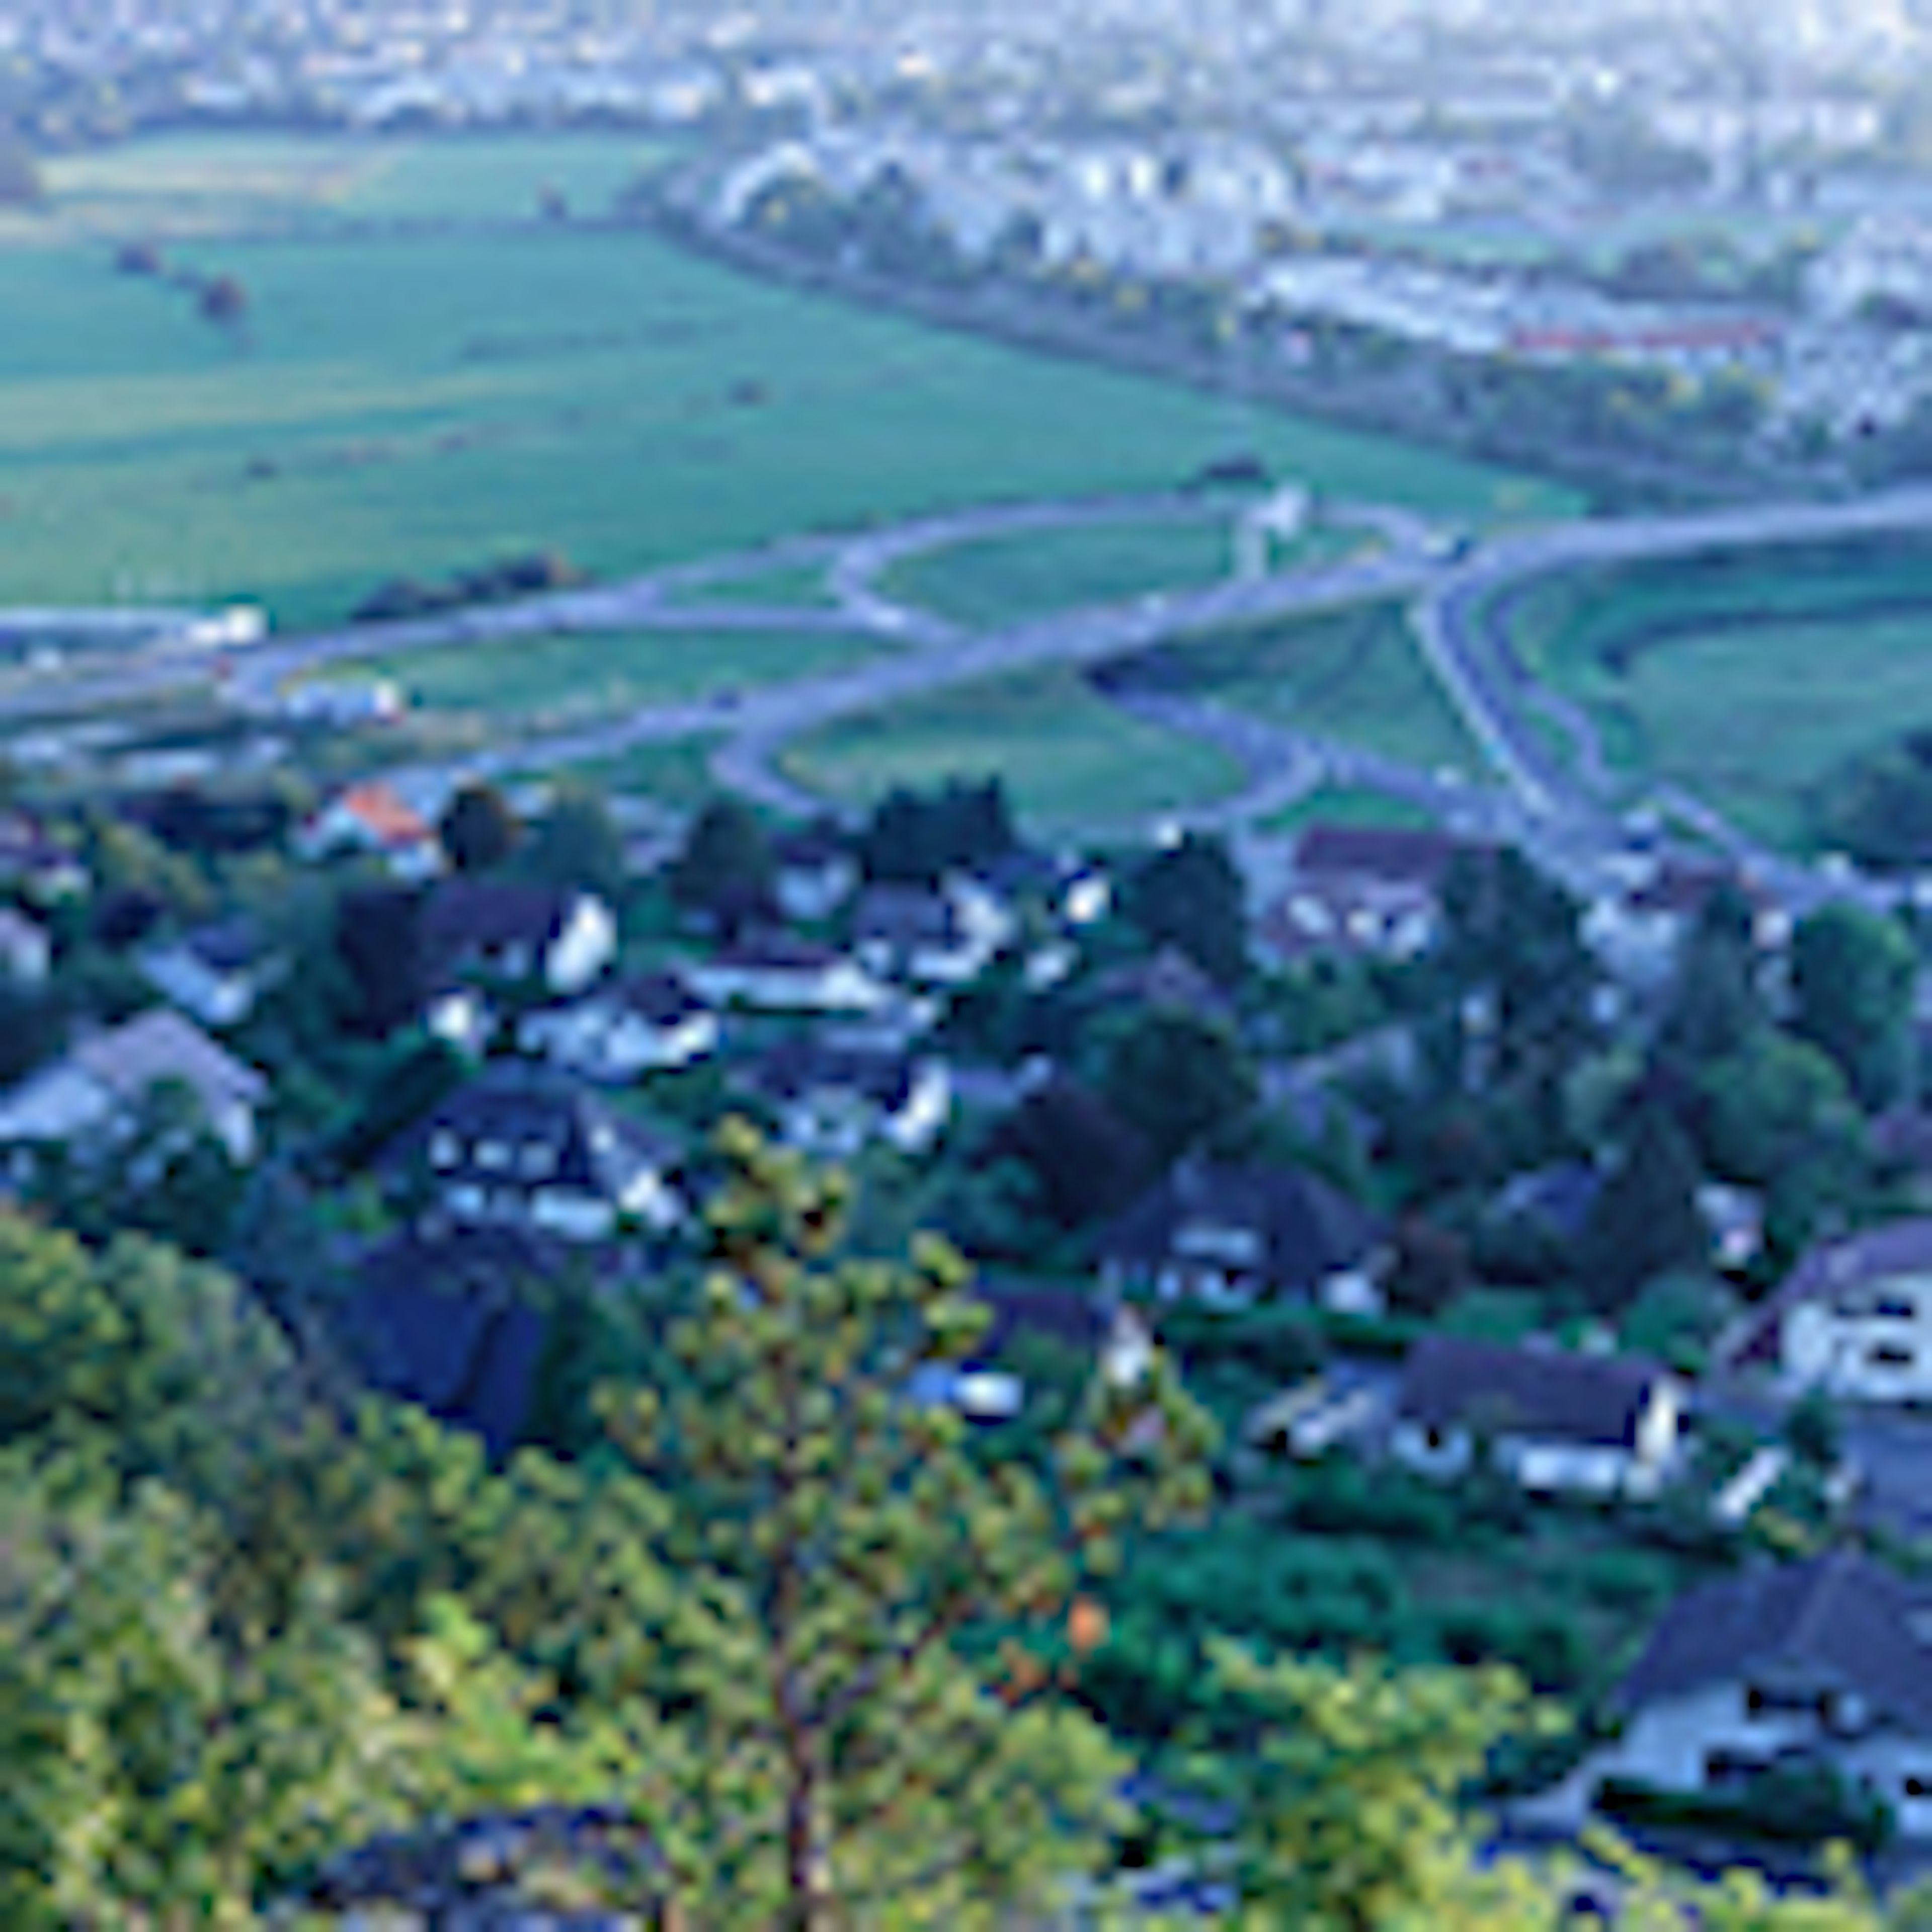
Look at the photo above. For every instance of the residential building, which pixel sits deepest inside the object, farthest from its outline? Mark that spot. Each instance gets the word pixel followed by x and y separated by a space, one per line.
pixel 833 1097
pixel 1229 1236
pixel 617 1033
pixel 1592 1425
pixel 785 974
pixel 93 1092
pixel 1823 1663
pixel 520 1146
pixel 26 952
pixel 1853 1319
pixel 816 873
pixel 373 818
pixel 215 974
pixel 513 930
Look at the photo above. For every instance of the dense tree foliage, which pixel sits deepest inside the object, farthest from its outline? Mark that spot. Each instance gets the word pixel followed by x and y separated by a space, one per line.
pixel 477 830
pixel 1190 894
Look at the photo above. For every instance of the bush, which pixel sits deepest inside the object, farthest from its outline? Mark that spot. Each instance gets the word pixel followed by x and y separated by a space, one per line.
pixel 1809 1805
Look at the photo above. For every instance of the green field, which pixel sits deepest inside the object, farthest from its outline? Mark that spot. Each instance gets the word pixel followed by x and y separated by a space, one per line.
pixel 418 403
pixel 1070 759
pixel 1349 805
pixel 566 678
pixel 803 589
pixel 1006 580
pixel 1747 678
pixel 1353 675
pixel 676 774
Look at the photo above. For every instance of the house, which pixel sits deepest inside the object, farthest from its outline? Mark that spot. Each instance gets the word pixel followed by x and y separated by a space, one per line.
pixel 1230 1236
pixel 785 974
pixel 1825 1663
pixel 34 862
pixel 815 873
pixel 932 935
pixel 94 1090
pixel 524 1147
pixel 512 930
pixel 446 1319
pixel 373 818
pixel 835 1095
pixel 216 973
pixel 1853 1319
pixel 1369 917
pixel 1637 928
pixel 1593 1425
pixel 1419 858
pixel 617 1033
pixel 26 953
pixel 989 1384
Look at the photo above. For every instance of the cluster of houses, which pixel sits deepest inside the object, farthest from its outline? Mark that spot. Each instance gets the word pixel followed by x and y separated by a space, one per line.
pixel 824 1021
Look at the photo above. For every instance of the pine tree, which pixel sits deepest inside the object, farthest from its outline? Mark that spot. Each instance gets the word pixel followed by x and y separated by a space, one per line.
pixel 874 1623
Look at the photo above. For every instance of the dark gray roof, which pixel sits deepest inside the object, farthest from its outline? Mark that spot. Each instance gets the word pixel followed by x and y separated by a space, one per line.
pixel 764 952
pixel 1827 1270
pixel 1306 1228
pixel 462 917
pixel 234 945
pixel 1412 855
pixel 1170 979
pixel 444 1321
pixel 794 1068
pixel 904 915
pixel 1559 1197
pixel 1550 1393
pixel 660 999
pixel 1838 1621
pixel 590 1148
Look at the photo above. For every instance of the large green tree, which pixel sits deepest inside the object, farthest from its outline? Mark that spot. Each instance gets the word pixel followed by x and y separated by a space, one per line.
pixel 869 1614
pixel 725 869
pixel 1190 894
pixel 1851 974
pixel 1177 1078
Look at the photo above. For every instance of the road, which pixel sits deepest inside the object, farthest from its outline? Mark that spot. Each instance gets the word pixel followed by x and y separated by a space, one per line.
pixel 1557 793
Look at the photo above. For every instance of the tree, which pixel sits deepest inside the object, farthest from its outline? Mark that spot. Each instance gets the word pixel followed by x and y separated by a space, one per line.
pixel 1774 1104
pixel 1851 975
pixel 1645 1221
pixel 917 837
pixel 1714 1004
pixel 577 843
pixel 1190 894
pixel 1087 1160
pixel 478 830
pixel 852 1586
pixel 726 871
pixel 376 938
pixel 1177 1078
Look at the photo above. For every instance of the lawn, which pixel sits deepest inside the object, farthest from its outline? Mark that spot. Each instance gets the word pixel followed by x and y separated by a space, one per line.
pixel 802 588
pixel 567 678
pixel 1349 805
pixel 1006 580
pixel 414 404
pixel 1747 679
pixel 677 774
pixel 1070 759
pixel 1355 675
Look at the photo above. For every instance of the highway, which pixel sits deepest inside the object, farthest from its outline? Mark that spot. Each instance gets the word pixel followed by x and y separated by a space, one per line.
pixel 1555 788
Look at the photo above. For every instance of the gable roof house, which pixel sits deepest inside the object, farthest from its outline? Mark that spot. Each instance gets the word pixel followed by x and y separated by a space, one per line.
pixel 785 974
pixel 1637 928
pixel 834 1096
pixel 373 817
pixel 26 952
pixel 1853 1319
pixel 939 935
pixel 216 973
pixel 1595 1425
pixel 1230 1236
pixel 520 1146
pixel 94 1090
pixel 815 872
pixel 989 1384
pixel 1825 1663
pixel 615 1033
pixel 515 930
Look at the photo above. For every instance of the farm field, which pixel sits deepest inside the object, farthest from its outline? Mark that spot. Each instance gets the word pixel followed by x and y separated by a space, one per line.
pixel 1070 759
pixel 566 678
pixel 1006 580
pixel 1747 679
pixel 421 403
pixel 1353 675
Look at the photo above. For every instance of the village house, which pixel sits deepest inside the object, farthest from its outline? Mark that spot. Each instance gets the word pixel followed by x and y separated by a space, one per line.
pixel 373 818
pixel 1853 1320
pixel 1823 1663
pixel 215 974
pixel 1637 928
pixel 520 1146
pixel 834 1096
pixel 1552 1420
pixel 786 974
pixel 1333 858
pixel 93 1094
pixel 815 873
pixel 617 1033
pixel 514 932
pixel 940 935
pixel 1026 1325
pixel 1230 1236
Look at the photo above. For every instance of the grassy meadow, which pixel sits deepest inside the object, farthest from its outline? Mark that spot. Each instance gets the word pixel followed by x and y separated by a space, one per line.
pixel 1071 760
pixel 1748 678
pixel 417 400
